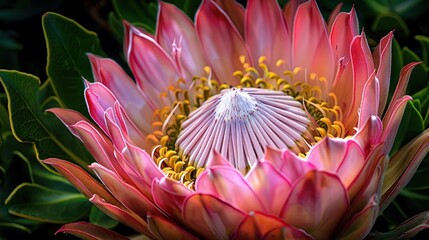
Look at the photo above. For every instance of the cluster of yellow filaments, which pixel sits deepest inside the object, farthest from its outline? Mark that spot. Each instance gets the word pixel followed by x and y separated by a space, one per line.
pixel 324 113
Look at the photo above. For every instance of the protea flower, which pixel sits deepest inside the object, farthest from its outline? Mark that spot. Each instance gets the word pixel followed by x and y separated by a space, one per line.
pixel 249 124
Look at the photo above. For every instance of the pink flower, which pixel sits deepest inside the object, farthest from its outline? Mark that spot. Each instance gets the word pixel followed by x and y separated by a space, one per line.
pixel 249 124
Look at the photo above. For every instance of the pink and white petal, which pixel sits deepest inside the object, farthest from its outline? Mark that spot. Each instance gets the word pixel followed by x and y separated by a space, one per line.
pixel 222 43
pixel 311 48
pixel 136 104
pixel 328 154
pixel 170 196
pixel 383 61
pixel 369 134
pixel 163 228
pixel 153 68
pixel 344 29
pixel 259 225
pixel 81 179
pixel 320 200
pixel 68 117
pixel 391 121
pixel 266 33
pixel 128 195
pixel 362 222
pixel 269 185
pixel 122 215
pixel 402 167
pixel 89 231
pixel 404 77
pixel 127 125
pixel 333 16
pixel 288 163
pixel 289 11
pixel 351 165
pixel 211 217
pixel 235 12
pixel 225 183
pixel 98 99
pixel 370 100
pixel 408 229
pixel 176 34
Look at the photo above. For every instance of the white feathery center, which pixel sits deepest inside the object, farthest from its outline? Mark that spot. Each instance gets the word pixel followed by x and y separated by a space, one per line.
pixel 235 104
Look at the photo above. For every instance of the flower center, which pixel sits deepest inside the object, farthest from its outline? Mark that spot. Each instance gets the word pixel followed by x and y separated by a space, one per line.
pixel 264 110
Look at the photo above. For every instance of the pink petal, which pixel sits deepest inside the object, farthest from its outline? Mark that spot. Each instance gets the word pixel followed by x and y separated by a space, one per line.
pixel 136 104
pixel 311 48
pixel 370 133
pixel 269 185
pixel 221 42
pixel 235 12
pixel 391 121
pixel 98 99
pixel 68 117
pixel 217 160
pixel 225 183
pixel 370 100
pixel 363 67
pixel 404 76
pixel 176 34
pixel 81 179
pixel 402 167
pixel 266 33
pixel 122 215
pixel 170 195
pixel 129 196
pixel 362 222
pixel 163 228
pixel 317 204
pixel 211 217
pixel 85 230
pixel 290 165
pixel 344 29
pixel 289 12
pixel 383 61
pixel 128 126
pixel 152 67
pixel 262 226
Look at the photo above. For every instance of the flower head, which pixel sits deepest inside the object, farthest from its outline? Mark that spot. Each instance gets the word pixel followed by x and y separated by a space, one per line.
pixel 251 123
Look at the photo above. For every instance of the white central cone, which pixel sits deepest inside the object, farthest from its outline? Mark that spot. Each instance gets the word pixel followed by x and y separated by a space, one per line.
pixel 239 123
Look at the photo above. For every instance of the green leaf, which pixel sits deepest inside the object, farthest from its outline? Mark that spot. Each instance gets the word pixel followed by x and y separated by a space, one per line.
pixel 139 13
pixel 39 203
pixel 424 42
pixel 386 22
pixel 31 124
pixel 99 218
pixel 67 44
pixel 418 78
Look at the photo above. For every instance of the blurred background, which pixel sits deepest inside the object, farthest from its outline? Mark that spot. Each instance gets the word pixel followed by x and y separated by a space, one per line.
pixel 23 48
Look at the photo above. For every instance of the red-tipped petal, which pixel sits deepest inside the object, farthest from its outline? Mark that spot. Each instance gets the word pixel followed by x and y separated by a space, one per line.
pixel 225 183
pixel 266 33
pixel 320 200
pixel 165 229
pixel 404 76
pixel 221 42
pixel 211 217
pixel 88 231
pixel 68 117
